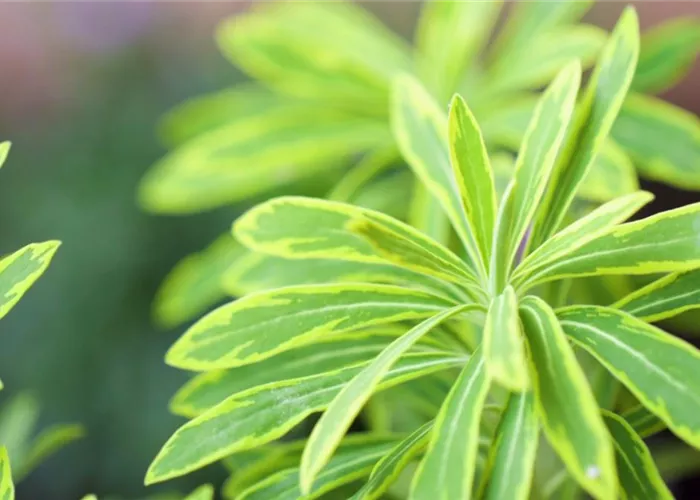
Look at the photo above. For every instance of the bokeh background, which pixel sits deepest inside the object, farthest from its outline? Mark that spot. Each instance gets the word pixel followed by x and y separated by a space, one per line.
pixel 82 86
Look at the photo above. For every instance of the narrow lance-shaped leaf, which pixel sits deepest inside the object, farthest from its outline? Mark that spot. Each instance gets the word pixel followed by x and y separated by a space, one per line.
pixel 535 161
pixel 261 325
pixel 352 462
pixel 420 130
pixel 303 228
pixel 663 243
pixel 390 466
pixel 19 271
pixel 644 422
pixel 664 298
pixel 662 139
pixel 504 344
pixel 600 221
pixel 592 123
pixel 329 354
pixel 263 414
pixel 447 469
pixel 512 460
pixel 667 53
pixel 566 405
pixel 473 174
pixel 662 371
pixel 340 414
pixel 639 477
pixel 448 38
pixel 7 487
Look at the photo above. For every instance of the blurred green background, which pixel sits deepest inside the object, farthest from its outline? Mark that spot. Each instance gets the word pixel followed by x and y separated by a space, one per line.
pixel 82 87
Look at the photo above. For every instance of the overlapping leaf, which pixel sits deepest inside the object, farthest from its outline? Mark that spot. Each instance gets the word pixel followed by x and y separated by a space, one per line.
pixel 664 298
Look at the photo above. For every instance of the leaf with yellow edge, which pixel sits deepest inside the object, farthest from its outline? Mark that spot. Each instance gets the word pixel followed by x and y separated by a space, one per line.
pixel 195 283
pixel 668 52
pixel 543 138
pixel 660 370
pixel 448 467
pixel 662 140
pixel 7 487
pixel 597 223
pixel 644 422
pixel 664 298
pixel 336 420
pixel 303 228
pixel 421 132
pixel 473 174
pixel 566 404
pixel 19 271
pixel 663 243
pixel 504 343
pixel 638 475
pixel 265 413
pixel 593 120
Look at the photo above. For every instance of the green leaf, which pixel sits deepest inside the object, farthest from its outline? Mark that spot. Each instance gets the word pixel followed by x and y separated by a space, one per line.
pixel 668 52
pixel 336 420
pixel 662 371
pixel 449 36
pixel 330 52
pixel 566 405
pixel 4 151
pixel 664 298
pixel 594 225
pixel 262 414
pixel 533 166
pixel 447 470
pixel 372 164
pixel 593 120
pixel 638 475
pixel 663 140
pixel 256 272
pixel 19 271
pixel 536 62
pixel 352 462
pixel 17 420
pixel 387 470
pixel 472 172
pixel 261 325
pixel 208 389
pixel 204 492
pixel 303 228
pixel 612 174
pixel 504 349
pixel 201 114
pixel 7 487
pixel 528 20
pixel 252 466
pixel 420 130
pixel 426 215
pixel 644 422
pixel 194 284
pixel 663 243
pixel 46 444
pixel 255 154
pixel 505 121
pixel 512 459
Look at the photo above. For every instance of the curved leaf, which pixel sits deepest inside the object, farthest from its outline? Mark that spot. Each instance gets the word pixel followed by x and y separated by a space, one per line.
pixel 662 371
pixel 566 404
pixel 667 53
pixel 204 492
pixel 19 271
pixel 302 228
pixel 512 459
pixel 662 140
pixel 447 470
pixel 336 420
pixel 644 422
pixel 262 414
pixel 664 298
pixel 594 118
pixel 7 487
pixel 639 477
pixel 504 344
pixel 261 325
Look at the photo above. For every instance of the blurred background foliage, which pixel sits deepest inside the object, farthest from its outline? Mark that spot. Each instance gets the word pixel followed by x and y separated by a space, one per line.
pixel 83 86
